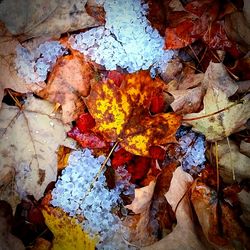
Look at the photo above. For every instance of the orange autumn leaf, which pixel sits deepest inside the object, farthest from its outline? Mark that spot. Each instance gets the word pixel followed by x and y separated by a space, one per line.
pixel 69 80
pixel 122 114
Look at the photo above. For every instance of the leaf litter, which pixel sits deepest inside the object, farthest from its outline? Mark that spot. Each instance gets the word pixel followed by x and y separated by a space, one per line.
pixel 177 134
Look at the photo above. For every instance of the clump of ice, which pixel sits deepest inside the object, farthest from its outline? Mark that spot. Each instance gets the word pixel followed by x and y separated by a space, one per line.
pixel 72 194
pixel 127 40
pixel 34 65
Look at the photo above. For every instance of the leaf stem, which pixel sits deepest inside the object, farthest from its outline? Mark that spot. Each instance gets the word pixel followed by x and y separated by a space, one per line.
pixel 101 169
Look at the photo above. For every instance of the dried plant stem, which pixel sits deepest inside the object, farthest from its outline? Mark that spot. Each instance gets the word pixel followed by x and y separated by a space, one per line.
pixel 231 162
pixel 101 169
pixel 217 167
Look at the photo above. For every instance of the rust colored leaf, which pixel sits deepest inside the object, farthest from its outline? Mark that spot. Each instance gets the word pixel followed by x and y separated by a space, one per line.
pixel 218 220
pixel 69 81
pixel 121 157
pixel 88 139
pixel 85 122
pixel 122 114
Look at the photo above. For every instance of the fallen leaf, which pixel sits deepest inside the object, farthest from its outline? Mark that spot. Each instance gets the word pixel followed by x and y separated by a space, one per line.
pixel 143 197
pixel 217 218
pixel 219 117
pixel 187 101
pixel 139 227
pixel 41 244
pixel 120 158
pixel 198 17
pixel 88 139
pixel 183 235
pixel 237 26
pixel 121 114
pixel 8 75
pixel 30 138
pixel 230 159
pixel 30 19
pixel 68 82
pixel 68 234
pixel 7 239
pixel 245 148
pixel 244 199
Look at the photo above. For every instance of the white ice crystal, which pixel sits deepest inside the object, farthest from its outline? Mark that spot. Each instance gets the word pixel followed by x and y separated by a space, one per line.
pixel 71 193
pixel 127 40
pixel 33 65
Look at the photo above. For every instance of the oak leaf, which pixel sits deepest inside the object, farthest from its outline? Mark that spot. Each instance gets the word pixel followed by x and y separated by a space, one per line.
pixel 68 82
pixel 121 114
pixel 68 234
pixel 29 140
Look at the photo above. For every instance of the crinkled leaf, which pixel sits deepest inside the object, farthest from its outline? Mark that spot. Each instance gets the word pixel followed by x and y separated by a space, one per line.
pixel 218 220
pixel 183 235
pixel 121 114
pixel 68 82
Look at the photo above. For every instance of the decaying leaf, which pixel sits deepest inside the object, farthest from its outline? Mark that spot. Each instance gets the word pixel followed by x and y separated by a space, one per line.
pixel 121 114
pixel 232 160
pixel 68 234
pixel 8 75
pixel 143 197
pixel 41 244
pixel 183 235
pixel 244 199
pixel 219 117
pixel 7 239
pixel 237 25
pixel 30 19
pixel 29 140
pixel 217 218
pixel 69 81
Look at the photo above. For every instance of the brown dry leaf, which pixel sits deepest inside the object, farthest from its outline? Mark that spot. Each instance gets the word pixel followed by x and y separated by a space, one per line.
pixel 244 199
pixel 237 26
pixel 8 75
pixel 183 235
pixel 187 101
pixel 143 197
pixel 139 231
pixel 29 140
pixel 41 244
pixel 29 18
pixel 68 82
pixel 245 148
pixel 230 159
pixel 219 117
pixel 218 220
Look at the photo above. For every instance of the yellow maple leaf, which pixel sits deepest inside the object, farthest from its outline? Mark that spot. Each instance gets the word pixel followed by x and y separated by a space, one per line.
pixel 121 114
pixel 68 234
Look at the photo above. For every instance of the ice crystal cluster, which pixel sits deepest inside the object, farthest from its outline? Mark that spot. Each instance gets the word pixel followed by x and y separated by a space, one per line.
pixel 33 65
pixel 192 146
pixel 71 193
pixel 127 40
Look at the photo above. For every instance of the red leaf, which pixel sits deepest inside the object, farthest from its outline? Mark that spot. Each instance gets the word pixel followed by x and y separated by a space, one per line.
pixel 139 168
pixel 121 157
pixel 157 104
pixel 89 139
pixel 157 152
pixel 116 77
pixel 85 122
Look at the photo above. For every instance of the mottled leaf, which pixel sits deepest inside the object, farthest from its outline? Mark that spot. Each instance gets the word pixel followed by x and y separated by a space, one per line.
pixel 121 114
